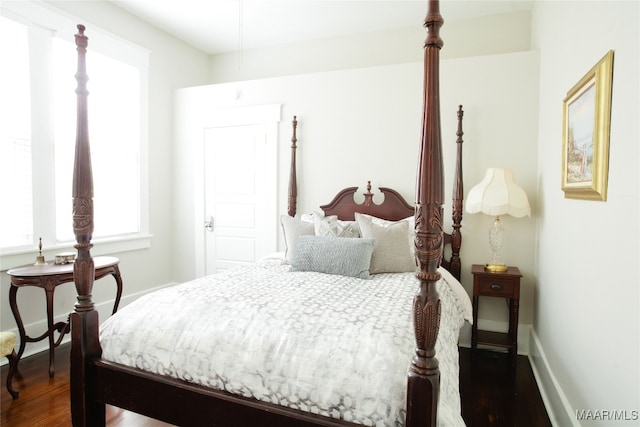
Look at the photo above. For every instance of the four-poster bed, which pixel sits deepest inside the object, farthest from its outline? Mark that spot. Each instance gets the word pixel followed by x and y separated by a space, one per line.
pixel 99 377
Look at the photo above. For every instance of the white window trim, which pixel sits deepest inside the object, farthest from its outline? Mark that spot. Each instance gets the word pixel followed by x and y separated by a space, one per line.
pixel 100 247
pixel 41 15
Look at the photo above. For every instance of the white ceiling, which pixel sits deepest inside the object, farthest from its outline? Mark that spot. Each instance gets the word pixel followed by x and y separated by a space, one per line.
pixel 216 26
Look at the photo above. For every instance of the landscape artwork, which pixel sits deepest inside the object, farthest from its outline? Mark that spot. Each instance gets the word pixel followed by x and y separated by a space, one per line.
pixel 585 133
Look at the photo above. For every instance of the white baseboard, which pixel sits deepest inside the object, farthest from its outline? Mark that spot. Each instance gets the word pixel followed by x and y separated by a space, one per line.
pixel 104 309
pixel 558 407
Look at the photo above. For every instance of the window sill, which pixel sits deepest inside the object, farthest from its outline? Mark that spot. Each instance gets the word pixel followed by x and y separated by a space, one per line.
pixel 110 246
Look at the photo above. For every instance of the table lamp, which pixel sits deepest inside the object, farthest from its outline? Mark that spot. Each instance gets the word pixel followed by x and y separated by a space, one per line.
pixel 497 195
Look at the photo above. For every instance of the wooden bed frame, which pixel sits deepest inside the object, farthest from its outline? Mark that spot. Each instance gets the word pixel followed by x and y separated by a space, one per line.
pixel 96 382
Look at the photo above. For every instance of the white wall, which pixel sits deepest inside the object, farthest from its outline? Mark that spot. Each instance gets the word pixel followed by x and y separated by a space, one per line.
pixel 143 269
pixel 489 35
pixel 586 318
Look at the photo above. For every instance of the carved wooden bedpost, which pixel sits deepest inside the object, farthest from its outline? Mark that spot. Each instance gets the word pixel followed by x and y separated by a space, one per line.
pixel 84 320
pixel 458 196
pixel 293 184
pixel 424 375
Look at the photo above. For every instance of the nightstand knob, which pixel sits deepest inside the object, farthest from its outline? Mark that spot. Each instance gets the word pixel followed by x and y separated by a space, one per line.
pixel 496 286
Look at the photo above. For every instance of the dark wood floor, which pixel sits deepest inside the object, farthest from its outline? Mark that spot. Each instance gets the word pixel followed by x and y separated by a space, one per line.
pixel 493 394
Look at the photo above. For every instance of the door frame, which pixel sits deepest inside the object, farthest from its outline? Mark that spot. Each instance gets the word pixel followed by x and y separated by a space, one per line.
pixel 269 114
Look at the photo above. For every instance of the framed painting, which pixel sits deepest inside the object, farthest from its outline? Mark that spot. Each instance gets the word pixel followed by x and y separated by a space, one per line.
pixel 586 118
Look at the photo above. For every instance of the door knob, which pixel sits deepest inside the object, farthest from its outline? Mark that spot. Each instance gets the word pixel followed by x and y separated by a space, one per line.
pixel 208 224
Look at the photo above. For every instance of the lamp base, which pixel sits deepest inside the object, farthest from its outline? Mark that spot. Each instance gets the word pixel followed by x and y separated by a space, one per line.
pixel 496 243
pixel 495 268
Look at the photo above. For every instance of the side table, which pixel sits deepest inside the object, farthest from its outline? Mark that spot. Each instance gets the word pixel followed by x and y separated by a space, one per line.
pixel 48 276
pixel 505 285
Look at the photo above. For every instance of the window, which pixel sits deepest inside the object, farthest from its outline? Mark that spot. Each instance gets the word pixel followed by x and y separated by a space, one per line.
pixel 16 224
pixel 38 128
pixel 114 148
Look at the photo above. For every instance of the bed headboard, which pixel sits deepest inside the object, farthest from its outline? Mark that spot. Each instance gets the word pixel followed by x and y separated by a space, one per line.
pixel 393 208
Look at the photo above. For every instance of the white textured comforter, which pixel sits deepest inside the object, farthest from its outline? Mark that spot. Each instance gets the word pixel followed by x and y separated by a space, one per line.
pixel 326 344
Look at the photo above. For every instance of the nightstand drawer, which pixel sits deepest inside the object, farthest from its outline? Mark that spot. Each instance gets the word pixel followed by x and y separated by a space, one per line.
pixel 498 286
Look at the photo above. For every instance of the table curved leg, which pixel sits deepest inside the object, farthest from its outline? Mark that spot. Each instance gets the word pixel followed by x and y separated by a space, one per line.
pixel 118 278
pixel 16 315
pixel 13 365
pixel 51 328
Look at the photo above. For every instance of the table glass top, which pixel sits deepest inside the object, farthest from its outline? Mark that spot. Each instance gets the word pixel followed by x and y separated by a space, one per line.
pixel 51 268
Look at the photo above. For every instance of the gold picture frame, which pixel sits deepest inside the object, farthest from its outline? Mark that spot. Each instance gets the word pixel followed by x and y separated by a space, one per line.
pixel 586 123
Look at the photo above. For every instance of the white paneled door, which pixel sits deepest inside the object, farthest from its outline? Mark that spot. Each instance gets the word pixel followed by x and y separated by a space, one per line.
pixel 240 194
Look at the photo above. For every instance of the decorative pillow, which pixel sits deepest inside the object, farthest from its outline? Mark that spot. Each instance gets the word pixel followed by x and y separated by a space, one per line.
pixel 411 225
pixel 292 229
pixel 332 226
pixel 391 253
pixel 333 255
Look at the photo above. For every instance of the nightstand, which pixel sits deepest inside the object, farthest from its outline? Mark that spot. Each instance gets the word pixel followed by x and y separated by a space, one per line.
pixel 503 285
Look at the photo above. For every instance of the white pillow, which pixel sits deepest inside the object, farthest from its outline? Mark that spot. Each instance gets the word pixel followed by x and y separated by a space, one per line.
pixel 292 229
pixel 332 226
pixel 391 252
pixel 411 226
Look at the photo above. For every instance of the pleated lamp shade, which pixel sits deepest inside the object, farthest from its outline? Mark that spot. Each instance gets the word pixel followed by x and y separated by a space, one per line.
pixel 496 195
